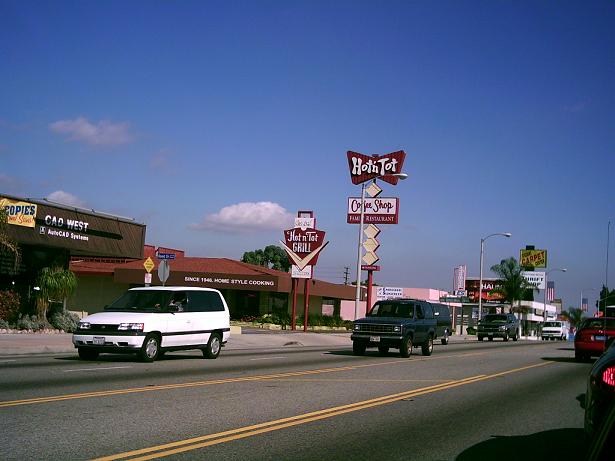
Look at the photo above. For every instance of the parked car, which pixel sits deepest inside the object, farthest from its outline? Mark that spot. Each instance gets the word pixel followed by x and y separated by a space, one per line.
pixel 591 337
pixel 555 330
pixel 442 314
pixel 400 323
pixel 150 321
pixel 600 405
pixel 498 326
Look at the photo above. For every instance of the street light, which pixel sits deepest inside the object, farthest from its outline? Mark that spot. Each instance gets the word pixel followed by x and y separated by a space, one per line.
pixel 359 250
pixel 480 279
pixel 545 293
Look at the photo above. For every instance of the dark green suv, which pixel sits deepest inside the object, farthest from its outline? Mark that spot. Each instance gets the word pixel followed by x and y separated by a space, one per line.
pixel 498 326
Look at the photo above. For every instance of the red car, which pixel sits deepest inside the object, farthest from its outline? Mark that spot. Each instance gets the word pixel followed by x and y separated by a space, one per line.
pixel 591 337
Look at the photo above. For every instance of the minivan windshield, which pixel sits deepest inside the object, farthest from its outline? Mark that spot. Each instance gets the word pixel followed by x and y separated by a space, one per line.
pixel 392 310
pixel 142 300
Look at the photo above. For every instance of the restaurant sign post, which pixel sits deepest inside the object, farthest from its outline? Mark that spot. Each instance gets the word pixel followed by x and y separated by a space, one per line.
pixel 370 209
pixel 303 243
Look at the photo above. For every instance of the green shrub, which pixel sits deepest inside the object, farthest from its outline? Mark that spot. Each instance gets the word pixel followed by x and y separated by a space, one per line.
pixel 4 325
pixel 25 322
pixel 9 305
pixel 65 321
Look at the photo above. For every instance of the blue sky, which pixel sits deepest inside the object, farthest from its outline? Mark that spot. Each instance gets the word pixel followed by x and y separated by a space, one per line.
pixel 215 122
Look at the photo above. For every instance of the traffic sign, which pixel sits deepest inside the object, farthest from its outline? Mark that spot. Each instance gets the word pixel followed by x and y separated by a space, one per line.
pixel 165 255
pixel 148 264
pixel 163 271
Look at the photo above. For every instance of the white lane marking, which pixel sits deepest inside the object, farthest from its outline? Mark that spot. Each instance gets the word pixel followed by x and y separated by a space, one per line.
pixel 6 361
pixel 269 358
pixel 93 369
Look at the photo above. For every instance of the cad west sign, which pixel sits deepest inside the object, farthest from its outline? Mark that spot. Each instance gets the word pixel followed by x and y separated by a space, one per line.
pixel 365 167
pixel 83 233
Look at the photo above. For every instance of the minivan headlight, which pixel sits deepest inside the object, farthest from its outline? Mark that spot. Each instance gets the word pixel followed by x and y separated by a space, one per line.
pixel 84 325
pixel 130 327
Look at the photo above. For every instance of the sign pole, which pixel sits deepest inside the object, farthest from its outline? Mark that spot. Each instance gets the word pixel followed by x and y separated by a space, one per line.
pixel 306 302
pixel 359 251
pixel 293 324
pixel 370 280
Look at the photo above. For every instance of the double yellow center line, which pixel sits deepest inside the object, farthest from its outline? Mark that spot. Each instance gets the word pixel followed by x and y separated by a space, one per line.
pixel 195 443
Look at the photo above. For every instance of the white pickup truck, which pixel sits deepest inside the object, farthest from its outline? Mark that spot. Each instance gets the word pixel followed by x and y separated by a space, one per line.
pixel 555 330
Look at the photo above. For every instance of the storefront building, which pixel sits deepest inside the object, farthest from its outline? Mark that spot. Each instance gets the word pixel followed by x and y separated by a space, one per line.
pixel 49 234
pixel 249 290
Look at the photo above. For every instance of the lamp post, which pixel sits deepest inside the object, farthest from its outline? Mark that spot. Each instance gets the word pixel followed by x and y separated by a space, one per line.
pixel 480 279
pixel 545 293
pixel 360 248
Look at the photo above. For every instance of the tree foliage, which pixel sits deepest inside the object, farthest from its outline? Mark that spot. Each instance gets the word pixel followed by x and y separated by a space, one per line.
pixel 7 244
pixel 272 256
pixel 607 298
pixel 574 316
pixel 514 286
pixel 55 284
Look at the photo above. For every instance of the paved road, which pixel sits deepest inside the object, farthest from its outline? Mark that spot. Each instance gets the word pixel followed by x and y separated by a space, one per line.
pixel 468 401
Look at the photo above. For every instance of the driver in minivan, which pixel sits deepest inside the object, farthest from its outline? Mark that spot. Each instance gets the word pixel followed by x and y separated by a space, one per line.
pixel 178 301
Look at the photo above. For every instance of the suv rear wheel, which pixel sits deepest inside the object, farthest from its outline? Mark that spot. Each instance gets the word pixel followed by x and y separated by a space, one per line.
pixel 444 339
pixel 427 347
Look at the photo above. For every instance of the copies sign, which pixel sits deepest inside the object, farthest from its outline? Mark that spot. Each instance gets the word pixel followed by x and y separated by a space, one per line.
pixel 19 213
pixel 366 167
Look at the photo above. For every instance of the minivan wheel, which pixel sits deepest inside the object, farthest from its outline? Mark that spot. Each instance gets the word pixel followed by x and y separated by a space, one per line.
pixel 150 349
pixel 87 354
pixel 405 349
pixel 212 350
pixel 427 347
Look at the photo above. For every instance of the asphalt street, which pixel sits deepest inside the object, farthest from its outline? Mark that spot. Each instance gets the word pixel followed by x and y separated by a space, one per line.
pixel 467 401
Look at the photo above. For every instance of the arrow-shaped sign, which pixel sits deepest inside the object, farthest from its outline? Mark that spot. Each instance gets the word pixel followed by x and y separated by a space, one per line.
pixel 302 262
pixel 370 258
pixel 371 231
pixel 371 244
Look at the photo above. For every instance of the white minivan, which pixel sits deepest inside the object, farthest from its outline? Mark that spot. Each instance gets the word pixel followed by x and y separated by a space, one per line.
pixel 150 321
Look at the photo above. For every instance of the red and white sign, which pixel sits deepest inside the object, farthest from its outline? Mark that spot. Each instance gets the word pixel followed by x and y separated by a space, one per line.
pixel 303 245
pixel 365 167
pixel 383 210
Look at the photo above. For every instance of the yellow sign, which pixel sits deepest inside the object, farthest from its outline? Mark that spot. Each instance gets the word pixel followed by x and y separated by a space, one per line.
pixel 533 258
pixel 148 264
pixel 19 213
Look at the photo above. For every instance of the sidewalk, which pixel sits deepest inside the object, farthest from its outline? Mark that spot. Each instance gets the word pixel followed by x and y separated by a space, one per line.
pixel 60 343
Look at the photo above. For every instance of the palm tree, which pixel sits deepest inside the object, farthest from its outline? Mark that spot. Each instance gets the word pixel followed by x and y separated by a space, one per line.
pixel 574 315
pixel 55 284
pixel 6 243
pixel 514 286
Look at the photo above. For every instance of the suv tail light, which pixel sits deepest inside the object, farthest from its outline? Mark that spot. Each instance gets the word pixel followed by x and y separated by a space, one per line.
pixel 608 376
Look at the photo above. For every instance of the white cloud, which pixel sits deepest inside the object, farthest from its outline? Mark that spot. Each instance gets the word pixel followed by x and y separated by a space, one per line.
pixel 65 198
pixel 103 133
pixel 247 217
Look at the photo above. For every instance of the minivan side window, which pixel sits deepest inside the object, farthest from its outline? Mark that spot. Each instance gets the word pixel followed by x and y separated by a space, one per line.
pixel 204 301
